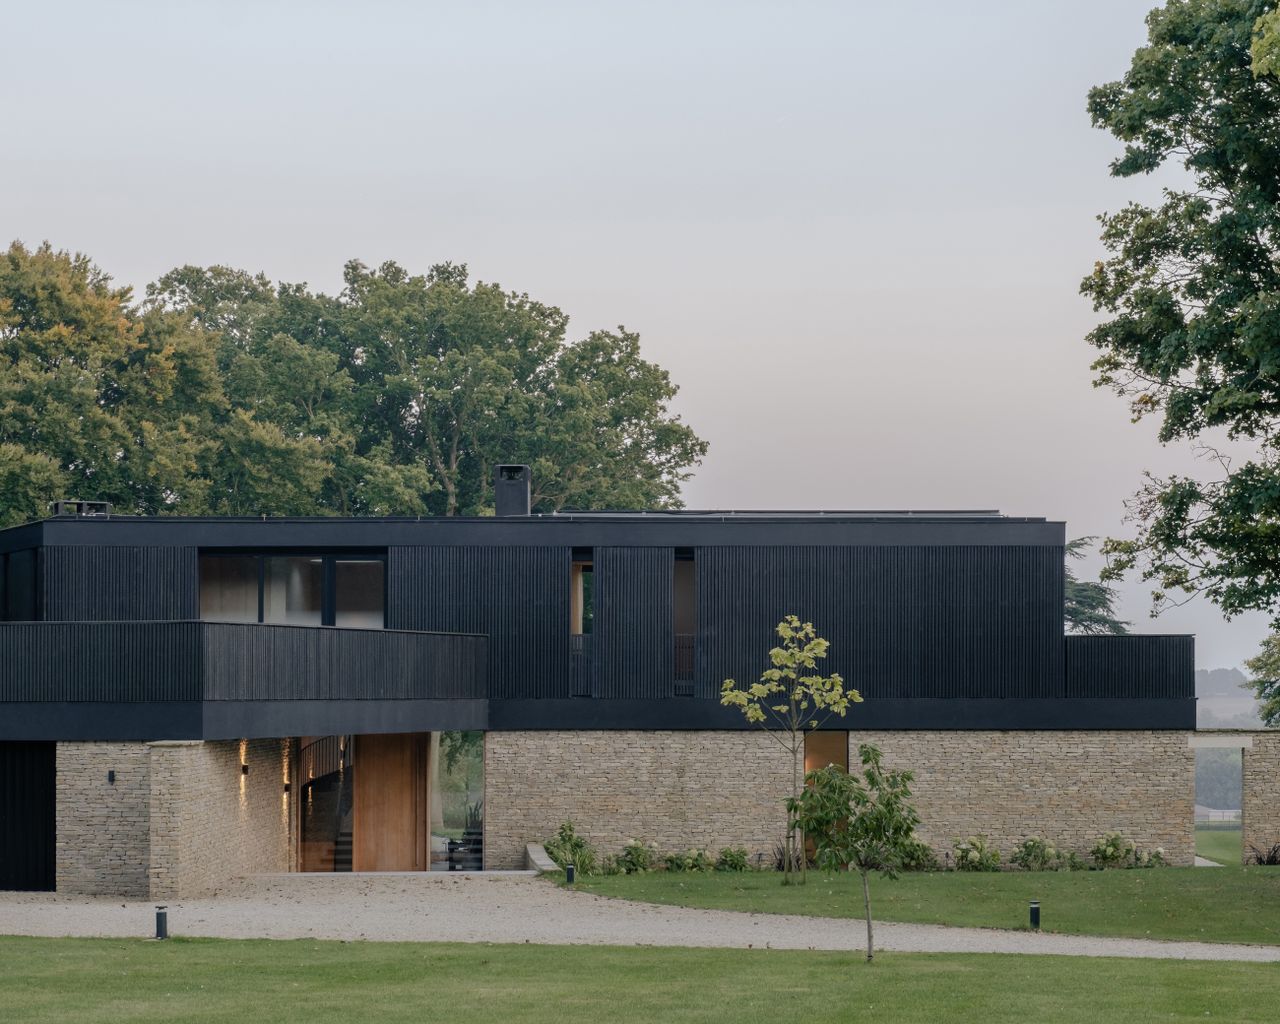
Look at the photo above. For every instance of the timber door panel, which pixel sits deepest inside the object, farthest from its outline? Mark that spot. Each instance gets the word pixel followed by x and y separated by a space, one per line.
pixel 390 820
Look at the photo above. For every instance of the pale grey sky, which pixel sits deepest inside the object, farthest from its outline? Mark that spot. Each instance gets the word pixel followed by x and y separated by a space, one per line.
pixel 853 232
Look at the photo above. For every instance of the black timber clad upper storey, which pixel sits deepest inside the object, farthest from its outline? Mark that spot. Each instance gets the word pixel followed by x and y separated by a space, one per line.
pixel 119 583
pixel 519 596
pixel 903 621
pixel 633 645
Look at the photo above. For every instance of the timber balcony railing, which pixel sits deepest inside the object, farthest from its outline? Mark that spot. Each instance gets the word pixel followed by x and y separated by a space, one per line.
pixel 224 661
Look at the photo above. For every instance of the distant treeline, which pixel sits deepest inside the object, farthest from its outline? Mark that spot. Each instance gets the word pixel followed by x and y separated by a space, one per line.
pixel 220 392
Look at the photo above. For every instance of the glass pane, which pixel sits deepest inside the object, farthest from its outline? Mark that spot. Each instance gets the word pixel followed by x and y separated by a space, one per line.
pixel 229 588
pixel 456 778
pixel 358 597
pixel 325 815
pixel 293 591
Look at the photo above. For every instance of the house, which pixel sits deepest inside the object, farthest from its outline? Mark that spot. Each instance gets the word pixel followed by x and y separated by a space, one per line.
pixel 187 699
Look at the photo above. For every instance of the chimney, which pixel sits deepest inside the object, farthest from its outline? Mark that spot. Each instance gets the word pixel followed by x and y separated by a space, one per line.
pixel 72 507
pixel 511 490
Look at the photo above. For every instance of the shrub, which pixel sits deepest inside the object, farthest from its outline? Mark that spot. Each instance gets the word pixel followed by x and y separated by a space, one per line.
pixel 689 860
pixel 732 858
pixel 1113 851
pixel 637 858
pixel 1072 861
pixel 567 847
pixel 917 855
pixel 1265 858
pixel 1034 854
pixel 974 854
pixel 1150 858
pixel 610 865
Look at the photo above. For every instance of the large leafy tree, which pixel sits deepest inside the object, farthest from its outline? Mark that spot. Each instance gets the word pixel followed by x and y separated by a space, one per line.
pixel 1264 680
pixel 1088 606
pixel 96 401
pixel 222 392
pixel 1190 291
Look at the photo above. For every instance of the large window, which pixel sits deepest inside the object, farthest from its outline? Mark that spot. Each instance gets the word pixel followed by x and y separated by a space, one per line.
pixel 299 590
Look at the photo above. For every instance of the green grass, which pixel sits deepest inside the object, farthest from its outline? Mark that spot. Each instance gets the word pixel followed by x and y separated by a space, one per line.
pixel 1231 904
pixel 107 981
pixel 1219 844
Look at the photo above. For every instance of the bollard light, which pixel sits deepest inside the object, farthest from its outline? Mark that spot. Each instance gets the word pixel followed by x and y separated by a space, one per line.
pixel 162 923
pixel 569 872
pixel 1035 915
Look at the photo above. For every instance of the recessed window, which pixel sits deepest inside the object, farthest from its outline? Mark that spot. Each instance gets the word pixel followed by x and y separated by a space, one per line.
pixel 359 587
pixel 295 590
pixel 229 588
pixel 581 592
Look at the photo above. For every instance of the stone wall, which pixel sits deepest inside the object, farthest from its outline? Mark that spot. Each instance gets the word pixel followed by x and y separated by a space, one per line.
pixel 102 844
pixel 210 822
pixel 180 821
pixel 678 789
pixel 1067 787
pixel 717 789
pixel 1260 812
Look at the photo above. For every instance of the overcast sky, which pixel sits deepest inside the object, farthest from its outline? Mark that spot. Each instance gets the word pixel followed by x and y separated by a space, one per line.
pixel 853 232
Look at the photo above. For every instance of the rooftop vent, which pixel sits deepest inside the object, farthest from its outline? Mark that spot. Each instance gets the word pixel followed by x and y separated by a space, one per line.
pixel 99 509
pixel 511 490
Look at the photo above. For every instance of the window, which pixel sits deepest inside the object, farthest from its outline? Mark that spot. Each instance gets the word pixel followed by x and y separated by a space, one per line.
pixel 684 608
pixel 18 585
pixel 581 592
pixel 297 590
pixel 294 591
pixel 358 593
pixel 229 588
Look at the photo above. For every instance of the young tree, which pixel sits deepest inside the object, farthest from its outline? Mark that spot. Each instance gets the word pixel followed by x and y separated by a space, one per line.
pixel 1264 680
pixel 1088 607
pixel 1190 288
pixel 862 821
pixel 789 699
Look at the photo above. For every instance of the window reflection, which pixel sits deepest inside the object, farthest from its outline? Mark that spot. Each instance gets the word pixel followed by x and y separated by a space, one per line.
pixel 229 588
pixel 294 591
pixel 358 594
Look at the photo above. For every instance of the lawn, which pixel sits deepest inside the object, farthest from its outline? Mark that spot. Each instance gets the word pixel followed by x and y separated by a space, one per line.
pixel 1230 904
pixel 96 981
pixel 1219 844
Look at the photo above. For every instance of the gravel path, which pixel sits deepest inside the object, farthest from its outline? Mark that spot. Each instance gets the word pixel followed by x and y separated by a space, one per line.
pixel 521 908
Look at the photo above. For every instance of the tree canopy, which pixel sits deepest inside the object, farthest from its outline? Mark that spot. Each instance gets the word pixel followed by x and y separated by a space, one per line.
pixel 1088 607
pixel 221 392
pixel 1190 290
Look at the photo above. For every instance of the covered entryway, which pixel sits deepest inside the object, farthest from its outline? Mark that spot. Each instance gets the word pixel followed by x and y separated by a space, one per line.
pixel 27 816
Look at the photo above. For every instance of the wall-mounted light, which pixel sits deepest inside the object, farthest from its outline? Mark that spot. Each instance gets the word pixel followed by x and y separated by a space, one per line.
pixel 244 769
pixel 111 777
pixel 286 787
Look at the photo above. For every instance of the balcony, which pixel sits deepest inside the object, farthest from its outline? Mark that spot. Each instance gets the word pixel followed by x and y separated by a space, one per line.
pixel 193 679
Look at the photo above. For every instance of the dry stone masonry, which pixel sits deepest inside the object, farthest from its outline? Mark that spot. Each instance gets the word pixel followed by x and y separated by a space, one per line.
pixel 1260 814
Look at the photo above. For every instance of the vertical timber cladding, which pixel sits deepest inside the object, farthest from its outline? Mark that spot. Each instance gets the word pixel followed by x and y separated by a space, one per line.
pixel 27 816
pixel 903 621
pixel 634 642
pixel 119 583
pixel 518 596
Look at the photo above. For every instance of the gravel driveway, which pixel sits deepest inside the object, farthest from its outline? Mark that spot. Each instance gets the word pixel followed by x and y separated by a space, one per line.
pixel 518 907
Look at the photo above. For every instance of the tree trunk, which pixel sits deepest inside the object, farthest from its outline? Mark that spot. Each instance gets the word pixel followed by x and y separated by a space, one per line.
pixel 866 902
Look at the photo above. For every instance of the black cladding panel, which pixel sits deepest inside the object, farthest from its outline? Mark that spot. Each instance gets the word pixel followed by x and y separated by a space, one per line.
pixel 518 596
pixel 903 622
pixel 93 583
pixel 633 643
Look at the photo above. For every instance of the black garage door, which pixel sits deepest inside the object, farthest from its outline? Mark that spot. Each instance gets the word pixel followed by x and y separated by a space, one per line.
pixel 26 815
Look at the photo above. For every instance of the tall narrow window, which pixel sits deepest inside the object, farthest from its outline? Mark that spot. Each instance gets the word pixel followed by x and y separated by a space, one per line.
pixel 581 593
pixel 294 591
pixel 358 594
pixel 684 607
pixel 825 747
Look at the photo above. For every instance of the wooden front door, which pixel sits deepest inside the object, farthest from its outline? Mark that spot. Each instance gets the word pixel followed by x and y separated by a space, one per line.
pixel 390 823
